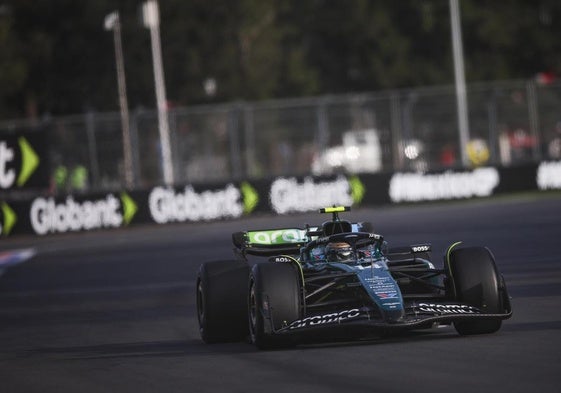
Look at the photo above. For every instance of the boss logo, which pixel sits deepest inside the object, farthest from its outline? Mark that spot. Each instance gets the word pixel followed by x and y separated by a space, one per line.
pixel 282 259
pixel 420 248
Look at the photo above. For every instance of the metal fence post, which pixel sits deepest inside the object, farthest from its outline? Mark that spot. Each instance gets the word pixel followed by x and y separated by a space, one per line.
pixel 534 118
pixel 175 158
pixel 396 131
pixel 249 130
pixel 322 125
pixel 135 147
pixel 92 149
pixel 233 135
pixel 493 128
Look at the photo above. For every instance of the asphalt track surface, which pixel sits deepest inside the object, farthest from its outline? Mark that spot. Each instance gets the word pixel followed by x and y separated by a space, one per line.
pixel 114 312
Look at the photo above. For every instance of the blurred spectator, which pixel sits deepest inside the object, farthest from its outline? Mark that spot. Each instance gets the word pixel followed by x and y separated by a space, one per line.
pixel 448 156
pixel 554 146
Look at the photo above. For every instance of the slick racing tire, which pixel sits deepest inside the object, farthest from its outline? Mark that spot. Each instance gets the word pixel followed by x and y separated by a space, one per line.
pixel 476 282
pixel 273 301
pixel 221 292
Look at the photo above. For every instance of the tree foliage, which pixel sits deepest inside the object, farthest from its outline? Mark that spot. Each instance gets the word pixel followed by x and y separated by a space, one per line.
pixel 56 58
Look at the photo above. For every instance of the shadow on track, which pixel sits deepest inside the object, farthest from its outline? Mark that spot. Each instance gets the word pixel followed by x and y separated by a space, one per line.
pixel 144 349
pixel 531 326
pixel 195 347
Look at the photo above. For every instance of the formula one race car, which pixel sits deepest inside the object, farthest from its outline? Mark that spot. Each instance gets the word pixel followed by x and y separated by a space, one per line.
pixel 338 279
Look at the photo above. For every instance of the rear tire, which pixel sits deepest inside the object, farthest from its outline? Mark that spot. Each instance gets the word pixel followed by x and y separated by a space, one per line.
pixel 222 301
pixel 475 281
pixel 273 302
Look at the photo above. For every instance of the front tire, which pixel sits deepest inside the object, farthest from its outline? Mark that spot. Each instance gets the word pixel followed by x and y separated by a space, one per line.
pixel 273 302
pixel 221 301
pixel 476 281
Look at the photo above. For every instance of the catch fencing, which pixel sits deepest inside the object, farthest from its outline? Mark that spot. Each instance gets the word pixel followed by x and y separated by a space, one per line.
pixel 510 123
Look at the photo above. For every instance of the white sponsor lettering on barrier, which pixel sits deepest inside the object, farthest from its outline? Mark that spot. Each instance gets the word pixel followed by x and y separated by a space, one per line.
pixel 412 187
pixel 166 205
pixel 287 195
pixel 549 175
pixel 7 176
pixel 49 217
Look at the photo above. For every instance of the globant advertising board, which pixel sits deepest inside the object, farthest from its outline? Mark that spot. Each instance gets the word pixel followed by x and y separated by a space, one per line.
pixel 23 161
pixel 46 215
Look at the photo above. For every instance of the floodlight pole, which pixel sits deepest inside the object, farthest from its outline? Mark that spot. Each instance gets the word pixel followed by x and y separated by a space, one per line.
pixel 151 19
pixel 113 22
pixel 459 73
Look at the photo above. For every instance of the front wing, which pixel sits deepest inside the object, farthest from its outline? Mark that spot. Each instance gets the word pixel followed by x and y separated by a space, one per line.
pixel 419 315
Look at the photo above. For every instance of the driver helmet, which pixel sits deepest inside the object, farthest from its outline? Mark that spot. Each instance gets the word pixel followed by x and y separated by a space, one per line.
pixel 339 252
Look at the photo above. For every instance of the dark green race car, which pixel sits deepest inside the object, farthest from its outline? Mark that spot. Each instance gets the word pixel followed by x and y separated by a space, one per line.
pixel 341 280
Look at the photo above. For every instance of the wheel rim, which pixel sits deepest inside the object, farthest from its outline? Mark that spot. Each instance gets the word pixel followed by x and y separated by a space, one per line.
pixel 252 311
pixel 200 304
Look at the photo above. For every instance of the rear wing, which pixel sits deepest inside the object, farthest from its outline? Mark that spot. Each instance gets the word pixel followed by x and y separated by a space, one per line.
pixel 271 242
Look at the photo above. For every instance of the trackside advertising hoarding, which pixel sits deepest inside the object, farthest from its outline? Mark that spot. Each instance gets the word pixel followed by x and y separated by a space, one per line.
pixel 23 161
pixel 415 187
pixel 190 204
pixel 291 194
pixel 45 215
pixel 48 215
pixel 159 205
